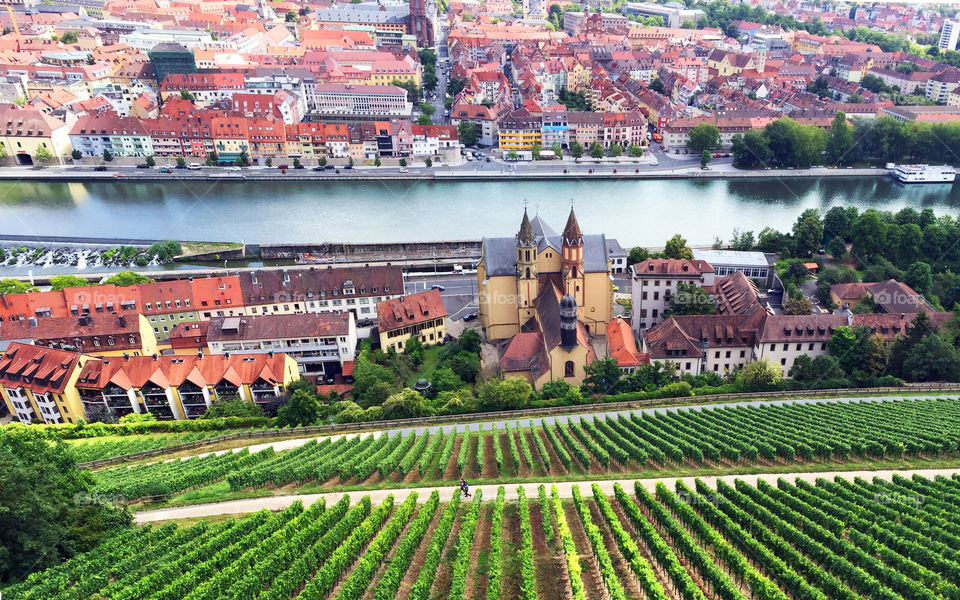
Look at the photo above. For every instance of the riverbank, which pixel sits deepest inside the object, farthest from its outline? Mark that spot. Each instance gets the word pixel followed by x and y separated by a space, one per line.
pixel 480 172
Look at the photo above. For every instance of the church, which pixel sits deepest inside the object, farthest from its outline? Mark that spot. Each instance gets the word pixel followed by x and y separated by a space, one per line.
pixel 542 296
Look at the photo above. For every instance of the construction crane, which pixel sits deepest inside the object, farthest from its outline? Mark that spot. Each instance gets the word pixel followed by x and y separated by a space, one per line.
pixel 13 19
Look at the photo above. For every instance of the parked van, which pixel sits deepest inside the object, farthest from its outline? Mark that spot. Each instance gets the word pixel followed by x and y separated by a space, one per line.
pixel 194 166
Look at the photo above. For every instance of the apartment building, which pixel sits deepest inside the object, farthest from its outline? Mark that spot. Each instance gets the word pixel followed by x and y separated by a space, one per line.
pixel 95 334
pixel 320 343
pixel 343 102
pixel 181 387
pixel 38 384
pixel 422 316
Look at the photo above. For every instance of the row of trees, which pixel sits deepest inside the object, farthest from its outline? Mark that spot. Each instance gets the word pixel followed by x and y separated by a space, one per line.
pixel 786 143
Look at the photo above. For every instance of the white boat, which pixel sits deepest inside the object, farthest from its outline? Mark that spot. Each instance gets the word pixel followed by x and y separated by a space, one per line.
pixel 924 173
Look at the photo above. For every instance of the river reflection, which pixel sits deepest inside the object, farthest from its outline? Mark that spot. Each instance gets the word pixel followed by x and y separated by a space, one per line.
pixel 635 212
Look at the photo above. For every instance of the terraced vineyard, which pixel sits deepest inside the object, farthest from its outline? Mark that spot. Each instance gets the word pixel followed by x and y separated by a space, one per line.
pixel 768 435
pixel 96 449
pixel 836 539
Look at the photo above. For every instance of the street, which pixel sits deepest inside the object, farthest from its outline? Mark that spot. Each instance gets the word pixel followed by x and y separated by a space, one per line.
pixel 459 293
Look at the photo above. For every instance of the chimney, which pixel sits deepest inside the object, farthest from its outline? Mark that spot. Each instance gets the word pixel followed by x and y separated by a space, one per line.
pixel 199 353
pixel 122 320
pixel 126 356
pixel 226 355
pixel 903 316
pixel 270 354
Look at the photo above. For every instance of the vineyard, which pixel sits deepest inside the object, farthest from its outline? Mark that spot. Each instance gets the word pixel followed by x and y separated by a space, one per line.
pixel 768 435
pixel 835 539
pixel 90 450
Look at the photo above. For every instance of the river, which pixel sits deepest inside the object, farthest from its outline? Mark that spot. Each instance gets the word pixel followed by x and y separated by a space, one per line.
pixel 644 212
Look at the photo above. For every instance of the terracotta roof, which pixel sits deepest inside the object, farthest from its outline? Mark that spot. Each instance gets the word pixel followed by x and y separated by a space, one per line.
pixel 83 332
pixel 672 266
pixel 282 285
pixel 622 346
pixel 164 371
pixel 526 352
pixel 344 389
pixel 890 296
pixel 410 310
pixel 37 368
pixel 736 294
pixel 279 327
pixel 186 335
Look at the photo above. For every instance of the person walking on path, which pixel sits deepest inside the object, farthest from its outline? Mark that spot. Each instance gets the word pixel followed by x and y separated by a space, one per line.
pixel 464 487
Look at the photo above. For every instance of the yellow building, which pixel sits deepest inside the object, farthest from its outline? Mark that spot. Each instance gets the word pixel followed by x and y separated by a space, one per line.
pixel 181 387
pixel 39 384
pixel 514 271
pixel 420 316
pixel 25 131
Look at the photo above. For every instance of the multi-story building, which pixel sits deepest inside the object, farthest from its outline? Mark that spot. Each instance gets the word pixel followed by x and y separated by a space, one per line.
pixel 341 102
pixel 420 316
pixel 180 386
pixel 758 266
pixel 170 57
pixel 97 334
pixel 320 343
pixel 206 88
pixel 24 131
pixel 95 134
pixel 942 84
pixel 320 290
pixel 166 304
pixel 38 384
pixel 655 280
pixel 949 35
pixel 520 130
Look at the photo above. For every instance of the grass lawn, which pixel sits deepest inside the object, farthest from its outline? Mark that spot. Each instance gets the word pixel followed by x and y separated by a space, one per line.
pixel 431 360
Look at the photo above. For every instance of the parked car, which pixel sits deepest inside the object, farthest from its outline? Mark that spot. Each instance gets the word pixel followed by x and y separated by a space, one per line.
pixel 283 167
pixel 717 155
pixel 299 166
pixel 348 166
pixel 319 169
pixel 100 168
pixel 662 147
pixel 194 166
pixel 166 170
pixel 487 159
pixel 233 168
pixel 143 166
pixel 469 316
pixel 437 287
pixel 404 170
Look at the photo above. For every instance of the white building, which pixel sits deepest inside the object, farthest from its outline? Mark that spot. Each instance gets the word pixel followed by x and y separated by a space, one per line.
pixel 145 40
pixel 755 265
pixel 120 136
pixel 655 280
pixel 346 102
pixel 320 343
pixel 949 35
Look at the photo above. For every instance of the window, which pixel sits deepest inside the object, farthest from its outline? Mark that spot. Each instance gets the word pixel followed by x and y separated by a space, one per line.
pixel 773 347
pixel 568 369
pixel 654 313
pixel 823 346
pixel 783 361
pixel 644 296
pixel 716 354
pixel 786 347
pixel 656 295
pixel 743 353
pixel 728 354
pixel 810 347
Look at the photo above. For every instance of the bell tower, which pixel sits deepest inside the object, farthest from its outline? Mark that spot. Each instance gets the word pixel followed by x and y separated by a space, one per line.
pixel 572 259
pixel 527 277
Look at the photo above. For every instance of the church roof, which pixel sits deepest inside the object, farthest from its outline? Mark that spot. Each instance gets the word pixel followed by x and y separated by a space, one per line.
pixel 500 253
pixel 526 237
pixel 571 232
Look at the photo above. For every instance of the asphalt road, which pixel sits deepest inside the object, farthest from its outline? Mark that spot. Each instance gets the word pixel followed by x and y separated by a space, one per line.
pixel 459 293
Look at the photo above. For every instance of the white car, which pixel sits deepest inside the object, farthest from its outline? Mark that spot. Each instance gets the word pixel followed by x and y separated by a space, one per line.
pixel 404 171
pixel 234 168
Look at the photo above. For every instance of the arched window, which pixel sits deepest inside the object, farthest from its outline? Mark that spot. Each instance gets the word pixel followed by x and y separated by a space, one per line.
pixel 528 255
pixel 568 369
pixel 528 272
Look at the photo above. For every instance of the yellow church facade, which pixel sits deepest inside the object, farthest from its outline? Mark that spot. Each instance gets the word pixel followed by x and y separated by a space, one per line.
pixel 514 271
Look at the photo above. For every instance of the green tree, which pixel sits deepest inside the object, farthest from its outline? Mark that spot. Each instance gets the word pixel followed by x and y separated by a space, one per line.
pixel 576 150
pixel 555 388
pixel 596 150
pixel 181 162
pixel 535 152
pixel 919 327
pixel 403 162
pixel 838 221
pixel 424 119
pixel 837 248
pixel 840 141
pixel 466 365
pixel 637 254
pixel 636 151
pixel 414 349
pixel 150 161
pixel 557 150
pixel 60 282
pixel 233 407
pixel 445 380
pixel 377 394
pixel 691 299
pixel 76 154
pixel 166 250
pixel 762 374
pixel 676 247
pixel 846 345
pixel 428 162
pixel 508 394
pixel 69 38
pixel 15 286
pixel 742 240
pixel 211 159
pixel 366 373
pixel 797 306
pixel 932 359
pixel 243 160
pixel 513 155
pixel 125 278
pixel 376 162
pixel 875 355
pixel 821 368
pixel 602 376
pixel 657 85
pixel 705 136
pixel 468 133
pixel 42 154
pixel 919 277
pixel 616 150
pixel 107 155
pixel 705 159
pixel 47 511
pixel 751 149
pixel 807 233
pixel 407 404
pixel 291 17
pixel 302 409
pixel 186 95
pixel 868 234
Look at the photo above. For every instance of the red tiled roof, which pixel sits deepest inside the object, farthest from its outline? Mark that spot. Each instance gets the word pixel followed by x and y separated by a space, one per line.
pixel 410 310
pixel 526 352
pixel 81 332
pixel 210 369
pixel 48 369
pixel 275 327
pixel 672 266
pixel 622 345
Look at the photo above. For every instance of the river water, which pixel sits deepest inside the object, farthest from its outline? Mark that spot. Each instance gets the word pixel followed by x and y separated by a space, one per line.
pixel 635 212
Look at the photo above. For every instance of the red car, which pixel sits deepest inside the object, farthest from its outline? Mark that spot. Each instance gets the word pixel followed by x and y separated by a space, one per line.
pixel 717 155
pixel 662 147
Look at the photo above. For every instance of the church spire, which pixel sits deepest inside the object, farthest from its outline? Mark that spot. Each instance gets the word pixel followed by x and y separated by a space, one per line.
pixel 526 236
pixel 571 233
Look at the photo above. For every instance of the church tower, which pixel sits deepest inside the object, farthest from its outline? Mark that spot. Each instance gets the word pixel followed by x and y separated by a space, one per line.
pixel 527 276
pixel 572 259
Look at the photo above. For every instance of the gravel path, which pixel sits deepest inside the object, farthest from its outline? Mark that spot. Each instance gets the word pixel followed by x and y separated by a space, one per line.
pixel 276 503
